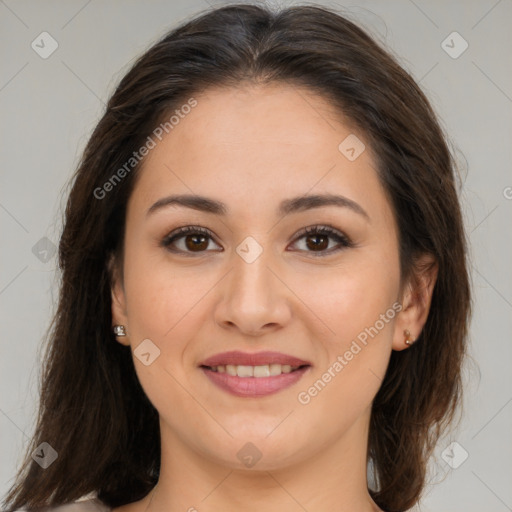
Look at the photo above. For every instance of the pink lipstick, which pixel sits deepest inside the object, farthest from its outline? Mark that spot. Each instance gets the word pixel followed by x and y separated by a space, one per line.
pixel 254 374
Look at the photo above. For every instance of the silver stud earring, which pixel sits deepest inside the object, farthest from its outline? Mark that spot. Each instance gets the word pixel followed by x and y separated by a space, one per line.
pixel 119 330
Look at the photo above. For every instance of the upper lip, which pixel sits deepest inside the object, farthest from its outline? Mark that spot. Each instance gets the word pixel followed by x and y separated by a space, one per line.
pixel 236 358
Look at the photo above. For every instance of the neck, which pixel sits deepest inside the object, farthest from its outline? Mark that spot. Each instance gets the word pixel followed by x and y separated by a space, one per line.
pixel 333 479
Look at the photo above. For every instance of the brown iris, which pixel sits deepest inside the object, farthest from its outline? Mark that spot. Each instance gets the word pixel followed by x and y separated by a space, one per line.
pixel 196 241
pixel 320 246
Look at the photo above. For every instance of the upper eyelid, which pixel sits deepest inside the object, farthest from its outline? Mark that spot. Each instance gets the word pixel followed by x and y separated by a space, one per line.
pixel 184 230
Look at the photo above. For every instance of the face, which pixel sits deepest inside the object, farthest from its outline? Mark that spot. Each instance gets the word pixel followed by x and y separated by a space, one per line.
pixel 251 279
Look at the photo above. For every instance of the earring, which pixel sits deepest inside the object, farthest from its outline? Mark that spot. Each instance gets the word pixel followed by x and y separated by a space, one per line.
pixel 408 340
pixel 119 330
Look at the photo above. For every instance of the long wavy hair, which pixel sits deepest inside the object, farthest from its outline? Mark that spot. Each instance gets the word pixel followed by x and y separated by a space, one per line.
pixel 93 411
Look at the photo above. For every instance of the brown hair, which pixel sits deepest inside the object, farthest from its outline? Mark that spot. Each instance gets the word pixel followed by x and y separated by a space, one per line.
pixel 93 411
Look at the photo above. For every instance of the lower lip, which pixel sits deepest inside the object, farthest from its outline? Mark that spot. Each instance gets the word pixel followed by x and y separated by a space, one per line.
pixel 254 386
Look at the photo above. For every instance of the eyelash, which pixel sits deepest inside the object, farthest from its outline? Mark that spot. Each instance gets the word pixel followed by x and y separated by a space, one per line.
pixel 329 231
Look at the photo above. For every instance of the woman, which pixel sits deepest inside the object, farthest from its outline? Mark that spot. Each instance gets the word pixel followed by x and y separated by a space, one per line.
pixel 264 299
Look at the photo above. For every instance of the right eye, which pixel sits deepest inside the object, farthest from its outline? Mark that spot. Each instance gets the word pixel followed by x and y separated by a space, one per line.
pixel 188 240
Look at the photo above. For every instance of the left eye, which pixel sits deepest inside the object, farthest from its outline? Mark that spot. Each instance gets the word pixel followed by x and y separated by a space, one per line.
pixel 317 237
pixel 195 239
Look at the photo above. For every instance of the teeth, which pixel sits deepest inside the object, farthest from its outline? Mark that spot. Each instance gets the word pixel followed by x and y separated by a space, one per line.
pixel 261 371
pixel 266 370
pixel 245 371
pixel 275 369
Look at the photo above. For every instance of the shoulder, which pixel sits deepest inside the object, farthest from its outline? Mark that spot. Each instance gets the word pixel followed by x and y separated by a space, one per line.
pixel 81 505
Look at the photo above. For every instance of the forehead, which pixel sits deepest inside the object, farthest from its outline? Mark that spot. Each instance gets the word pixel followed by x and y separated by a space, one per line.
pixel 256 144
pixel 279 114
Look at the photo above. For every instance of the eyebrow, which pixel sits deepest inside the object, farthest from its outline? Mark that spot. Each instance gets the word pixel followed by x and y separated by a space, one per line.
pixel 287 206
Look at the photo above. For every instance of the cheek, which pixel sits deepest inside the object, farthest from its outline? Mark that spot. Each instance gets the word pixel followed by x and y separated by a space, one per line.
pixel 351 297
pixel 157 297
pixel 162 307
pixel 356 302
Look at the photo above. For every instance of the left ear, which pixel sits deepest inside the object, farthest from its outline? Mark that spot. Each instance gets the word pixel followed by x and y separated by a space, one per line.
pixel 416 300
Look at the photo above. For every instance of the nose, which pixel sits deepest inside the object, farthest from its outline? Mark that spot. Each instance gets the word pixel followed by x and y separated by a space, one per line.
pixel 254 298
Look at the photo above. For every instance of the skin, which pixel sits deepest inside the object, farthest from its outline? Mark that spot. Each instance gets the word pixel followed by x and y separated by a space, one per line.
pixel 251 148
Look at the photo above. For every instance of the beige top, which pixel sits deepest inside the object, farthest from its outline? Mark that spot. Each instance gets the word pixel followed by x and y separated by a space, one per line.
pixel 81 505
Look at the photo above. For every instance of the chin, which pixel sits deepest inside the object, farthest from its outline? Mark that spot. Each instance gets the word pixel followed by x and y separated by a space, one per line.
pixel 261 449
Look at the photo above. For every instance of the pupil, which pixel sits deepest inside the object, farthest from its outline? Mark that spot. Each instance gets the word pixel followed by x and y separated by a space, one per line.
pixel 201 245
pixel 318 245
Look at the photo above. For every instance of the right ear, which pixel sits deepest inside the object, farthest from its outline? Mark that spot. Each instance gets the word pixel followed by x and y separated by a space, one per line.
pixel 118 300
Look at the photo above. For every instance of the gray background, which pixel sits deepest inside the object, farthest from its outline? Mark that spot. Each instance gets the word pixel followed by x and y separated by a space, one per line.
pixel 48 108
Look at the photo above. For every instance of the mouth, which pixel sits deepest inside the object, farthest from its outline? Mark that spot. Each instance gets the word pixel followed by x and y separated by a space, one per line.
pixel 260 371
pixel 254 375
